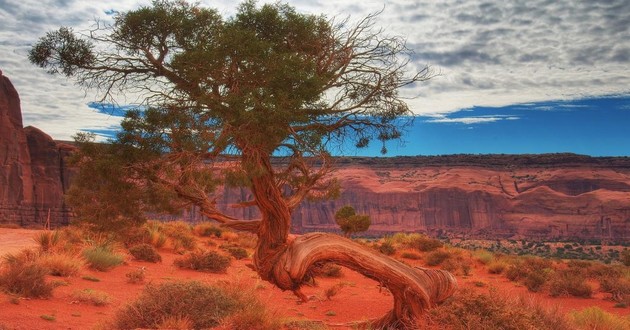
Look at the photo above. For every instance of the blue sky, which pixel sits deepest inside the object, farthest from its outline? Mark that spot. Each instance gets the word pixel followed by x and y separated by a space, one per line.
pixel 515 76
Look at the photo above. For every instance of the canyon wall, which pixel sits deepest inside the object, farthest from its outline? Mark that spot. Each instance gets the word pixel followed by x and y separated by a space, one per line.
pixel 552 196
pixel 562 199
pixel 33 171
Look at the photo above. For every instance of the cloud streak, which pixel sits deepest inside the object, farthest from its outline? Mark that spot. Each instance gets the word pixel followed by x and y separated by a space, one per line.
pixel 488 53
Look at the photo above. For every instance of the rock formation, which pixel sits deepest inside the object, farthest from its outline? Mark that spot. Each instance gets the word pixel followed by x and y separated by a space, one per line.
pixel 545 197
pixel 33 172
pixel 485 196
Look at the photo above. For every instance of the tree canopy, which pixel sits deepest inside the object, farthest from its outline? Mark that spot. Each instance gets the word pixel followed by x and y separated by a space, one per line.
pixel 258 99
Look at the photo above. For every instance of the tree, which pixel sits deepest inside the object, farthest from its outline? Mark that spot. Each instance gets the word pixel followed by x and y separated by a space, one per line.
pixel 350 222
pixel 256 100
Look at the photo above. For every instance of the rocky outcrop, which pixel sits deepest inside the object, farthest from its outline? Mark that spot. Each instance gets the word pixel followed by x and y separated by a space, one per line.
pixel 33 173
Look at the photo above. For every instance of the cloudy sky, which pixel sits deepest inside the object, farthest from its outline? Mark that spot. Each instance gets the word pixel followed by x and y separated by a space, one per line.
pixel 515 76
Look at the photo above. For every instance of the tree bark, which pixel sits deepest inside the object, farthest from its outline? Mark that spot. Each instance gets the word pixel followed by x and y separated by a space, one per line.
pixel 414 289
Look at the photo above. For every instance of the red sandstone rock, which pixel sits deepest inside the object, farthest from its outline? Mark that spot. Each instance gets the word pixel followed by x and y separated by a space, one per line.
pixel 33 174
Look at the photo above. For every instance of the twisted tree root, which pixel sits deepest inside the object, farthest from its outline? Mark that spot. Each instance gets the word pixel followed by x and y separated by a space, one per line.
pixel 414 289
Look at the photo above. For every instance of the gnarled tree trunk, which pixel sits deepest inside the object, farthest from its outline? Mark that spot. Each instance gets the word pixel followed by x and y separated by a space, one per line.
pixel 414 289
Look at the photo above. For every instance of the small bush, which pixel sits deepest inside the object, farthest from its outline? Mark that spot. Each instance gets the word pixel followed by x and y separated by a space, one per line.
pixel 484 256
pixel 145 252
pixel 136 276
pixel 202 305
pixel 25 278
pixel 410 255
pixel 180 234
pixel 569 282
pixel 94 297
pixel 328 269
pixel 436 257
pixel 209 261
pixel 102 258
pixel 497 267
pixel 470 310
pixel 61 264
pixel 387 248
pixel 237 252
pixel 206 229
pixel 534 281
pixel 596 318
pixel 47 240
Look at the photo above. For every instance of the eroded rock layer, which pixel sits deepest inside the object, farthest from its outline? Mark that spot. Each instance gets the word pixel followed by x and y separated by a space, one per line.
pixel 33 171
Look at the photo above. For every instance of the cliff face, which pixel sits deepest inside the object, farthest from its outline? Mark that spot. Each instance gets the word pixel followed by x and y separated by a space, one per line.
pixel 33 173
pixel 528 201
pixel 493 196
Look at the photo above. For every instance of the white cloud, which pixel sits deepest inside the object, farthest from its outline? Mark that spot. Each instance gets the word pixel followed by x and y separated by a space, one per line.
pixel 489 53
pixel 471 120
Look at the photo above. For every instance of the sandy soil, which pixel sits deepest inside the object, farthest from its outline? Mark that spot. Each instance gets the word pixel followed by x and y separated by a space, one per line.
pixel 358 299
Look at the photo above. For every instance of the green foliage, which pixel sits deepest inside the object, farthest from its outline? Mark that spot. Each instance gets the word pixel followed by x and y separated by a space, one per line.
pixel 207 229
pixel 387 248
pixel 350 222
pixel 410 255
pixel 145 252
pixel 102 258
pixel 209 261
pixel 203 305
pixel 237 252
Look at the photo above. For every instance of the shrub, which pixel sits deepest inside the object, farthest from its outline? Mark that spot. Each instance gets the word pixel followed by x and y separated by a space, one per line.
pixel 387 248
pixel 145 252
pixel 25 278
pixel 136 276
pixel 209 261
pixel 436 257
pixel 237 252
pixel 470 310
pixel 497 267
pixel 485 257
pixel 47 240
pixel 410 255
pixel 202 305
pixel 618 287
pixel 207 229
pixel 328 269
pixel 180 234
pixel 102 258
pixel 61 264
pixel 624 257
pixel 595 318
pixel 94 297
pixel 534 281
pixel 569 282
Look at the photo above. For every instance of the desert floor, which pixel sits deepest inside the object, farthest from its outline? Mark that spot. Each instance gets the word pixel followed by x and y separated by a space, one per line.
pixel 358 299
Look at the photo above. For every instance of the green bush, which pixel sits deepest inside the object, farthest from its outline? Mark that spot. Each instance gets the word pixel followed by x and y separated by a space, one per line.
pixel 410 255
pixel 203 305
pixel 497 267
pixel 209 261
pixel 207 229
pixel 145 252
pixel 102 258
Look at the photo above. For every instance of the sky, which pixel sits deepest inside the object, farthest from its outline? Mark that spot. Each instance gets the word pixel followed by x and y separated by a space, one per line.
pixel 531 76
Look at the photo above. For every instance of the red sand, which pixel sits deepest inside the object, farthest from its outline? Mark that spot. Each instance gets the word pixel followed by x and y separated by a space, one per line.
pixel 358 299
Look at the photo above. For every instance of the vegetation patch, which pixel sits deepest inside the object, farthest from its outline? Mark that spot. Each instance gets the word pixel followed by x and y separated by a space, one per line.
pixel 145 252
pixel 209 261
pixel 93 297
pixel 102 258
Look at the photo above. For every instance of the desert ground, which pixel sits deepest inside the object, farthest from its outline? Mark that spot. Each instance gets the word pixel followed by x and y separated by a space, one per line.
pixel 357 299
